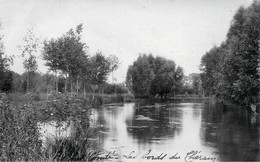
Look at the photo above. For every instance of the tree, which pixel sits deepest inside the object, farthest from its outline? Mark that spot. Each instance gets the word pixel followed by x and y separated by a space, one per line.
pixel 29 51
pixel 100 68
pixel 114 63
pixel 164 77
pixel 149 76
pixel 178 79
pixel 142 76
pixel 243 42
pixel 231 70
pixel 129 79
pixel 196 83
pixel 212 67
pixel 67 54
pixel 5 73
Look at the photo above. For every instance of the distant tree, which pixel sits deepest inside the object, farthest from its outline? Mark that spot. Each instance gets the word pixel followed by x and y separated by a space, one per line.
pixel 16 82
pixel 114 63
pixel 164 77
pixel 142 76
pixel 149 76
pixel 5 73
pixel 196 83
pixel 100 68
pixel 29 51
pixel 129 79
pixel 178 80
pixel 110 88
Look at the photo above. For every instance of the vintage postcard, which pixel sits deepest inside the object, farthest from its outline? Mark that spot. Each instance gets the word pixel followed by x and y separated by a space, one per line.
pixel 130 80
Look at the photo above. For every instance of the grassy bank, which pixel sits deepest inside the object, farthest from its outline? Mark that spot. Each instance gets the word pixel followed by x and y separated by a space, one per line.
pixel 91 99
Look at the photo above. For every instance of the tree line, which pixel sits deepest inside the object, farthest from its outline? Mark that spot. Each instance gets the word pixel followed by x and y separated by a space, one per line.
pixel 231 71
pixel 151 76
pixel 73 69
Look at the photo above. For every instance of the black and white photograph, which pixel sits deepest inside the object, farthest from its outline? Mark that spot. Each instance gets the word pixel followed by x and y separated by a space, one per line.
pixel 130 80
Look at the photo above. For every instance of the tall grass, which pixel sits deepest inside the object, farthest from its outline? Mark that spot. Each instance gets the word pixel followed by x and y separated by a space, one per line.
pixel 20 135
pixel 70 149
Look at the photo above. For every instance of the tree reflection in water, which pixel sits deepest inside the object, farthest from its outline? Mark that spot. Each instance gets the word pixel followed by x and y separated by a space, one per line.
pixel 235 133
pixel 180 127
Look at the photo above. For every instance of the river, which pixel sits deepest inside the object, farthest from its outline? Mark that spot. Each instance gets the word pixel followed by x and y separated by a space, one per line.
pixel 177 132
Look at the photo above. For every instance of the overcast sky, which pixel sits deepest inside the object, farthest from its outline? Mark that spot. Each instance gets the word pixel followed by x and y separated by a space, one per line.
pixel 181 30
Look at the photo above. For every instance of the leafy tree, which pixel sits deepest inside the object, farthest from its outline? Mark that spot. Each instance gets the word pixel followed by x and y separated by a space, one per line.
pixel 142 76
pixel 110 88
pixel 149 76
pixel 5 73
pixel 178 79
pixel 66 54
pixel 29 51
pixel 100 68
pixel 243 41
pixel 85 74
pixel 164 77
pixel 196 82
pixel 213 70
pixel 129 79
pixel 7 82
pixel 231 70
pixel 114 63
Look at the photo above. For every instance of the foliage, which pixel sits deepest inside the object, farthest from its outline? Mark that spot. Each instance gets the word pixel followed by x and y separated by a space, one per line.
pixel 19 133
pixel 113 61
pixel 196 83
pixel 191 84
pixel 29 51
pixel 6 83
pixel 66 54
pixel 213 70
pixel 142 76
pixel 129 79
pixel 100 68
pixel 150 76
pixel 110 88
pixel 20 137
pixel 231 70
pixel 5 73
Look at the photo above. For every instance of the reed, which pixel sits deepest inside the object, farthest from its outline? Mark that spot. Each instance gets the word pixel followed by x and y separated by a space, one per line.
pixel 70 149
pixel 20 134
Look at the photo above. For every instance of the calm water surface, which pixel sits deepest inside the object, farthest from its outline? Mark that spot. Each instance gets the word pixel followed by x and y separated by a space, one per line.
pixel 177 129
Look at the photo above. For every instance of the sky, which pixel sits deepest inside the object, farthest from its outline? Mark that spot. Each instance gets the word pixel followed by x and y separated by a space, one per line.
pixel 179 30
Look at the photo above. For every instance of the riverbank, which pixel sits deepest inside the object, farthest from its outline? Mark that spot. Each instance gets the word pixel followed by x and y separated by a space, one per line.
pixel 20 133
